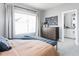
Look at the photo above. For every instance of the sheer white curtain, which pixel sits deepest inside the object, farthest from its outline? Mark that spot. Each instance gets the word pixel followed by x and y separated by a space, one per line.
pixel 8 20
pixel 38 29
pixel 26 11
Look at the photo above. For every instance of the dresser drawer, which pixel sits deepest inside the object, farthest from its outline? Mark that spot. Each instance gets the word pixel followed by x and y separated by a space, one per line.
pixel 50 32
pixel 51 29
pixel 52 37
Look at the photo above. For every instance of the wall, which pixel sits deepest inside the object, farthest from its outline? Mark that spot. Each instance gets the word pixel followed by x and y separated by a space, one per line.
pixel 58 11
pixel 1 19
pixel 41 18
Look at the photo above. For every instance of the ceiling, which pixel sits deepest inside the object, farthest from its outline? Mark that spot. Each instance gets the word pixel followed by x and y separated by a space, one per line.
pixel 43 6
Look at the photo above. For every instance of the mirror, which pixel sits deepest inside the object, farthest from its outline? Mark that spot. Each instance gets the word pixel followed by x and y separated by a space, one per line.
pixel 69 19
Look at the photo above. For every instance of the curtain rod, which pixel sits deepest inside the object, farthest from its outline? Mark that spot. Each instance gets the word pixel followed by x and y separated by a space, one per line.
pixel 24 8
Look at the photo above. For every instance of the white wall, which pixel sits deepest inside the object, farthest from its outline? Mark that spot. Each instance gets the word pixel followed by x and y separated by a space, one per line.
pixel 1 19
pixel 41 18
pixel 58 11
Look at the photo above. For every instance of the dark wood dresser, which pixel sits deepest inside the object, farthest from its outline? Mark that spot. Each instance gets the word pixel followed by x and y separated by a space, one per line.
pixel 50 33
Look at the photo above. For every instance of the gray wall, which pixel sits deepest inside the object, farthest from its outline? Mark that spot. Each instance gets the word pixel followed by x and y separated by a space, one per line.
pixel 1 19
pixel 41 18
pixel 58 11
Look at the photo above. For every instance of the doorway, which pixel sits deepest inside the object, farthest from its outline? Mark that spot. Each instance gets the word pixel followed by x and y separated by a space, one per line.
pixel 69 25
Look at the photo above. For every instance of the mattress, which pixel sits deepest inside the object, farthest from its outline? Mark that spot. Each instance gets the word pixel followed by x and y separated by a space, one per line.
pixel 30 48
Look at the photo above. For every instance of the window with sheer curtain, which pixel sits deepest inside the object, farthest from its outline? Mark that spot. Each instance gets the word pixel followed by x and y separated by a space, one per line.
pixel 25 22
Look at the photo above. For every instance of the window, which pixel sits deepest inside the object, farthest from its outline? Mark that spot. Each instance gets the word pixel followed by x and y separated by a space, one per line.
pixel 24 23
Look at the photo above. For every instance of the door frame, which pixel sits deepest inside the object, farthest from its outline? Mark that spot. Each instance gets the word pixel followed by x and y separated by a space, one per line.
pixel 76 28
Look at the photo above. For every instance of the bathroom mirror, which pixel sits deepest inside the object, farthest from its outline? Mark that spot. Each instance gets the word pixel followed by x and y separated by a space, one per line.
pixel 69 19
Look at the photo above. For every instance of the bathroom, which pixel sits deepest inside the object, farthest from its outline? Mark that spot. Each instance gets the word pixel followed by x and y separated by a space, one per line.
pixel 69 25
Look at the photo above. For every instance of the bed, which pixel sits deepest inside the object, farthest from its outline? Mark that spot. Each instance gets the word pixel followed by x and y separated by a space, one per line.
pixel 30 48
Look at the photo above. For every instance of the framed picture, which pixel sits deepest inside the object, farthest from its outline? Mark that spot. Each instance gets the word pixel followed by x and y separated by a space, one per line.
pixel 52 20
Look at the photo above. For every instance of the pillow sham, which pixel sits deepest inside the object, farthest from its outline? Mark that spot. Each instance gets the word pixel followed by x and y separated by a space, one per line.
pixel 4 47
pixel 4 44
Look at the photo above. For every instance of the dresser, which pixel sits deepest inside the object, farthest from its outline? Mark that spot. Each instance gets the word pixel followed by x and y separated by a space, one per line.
pixel 50 33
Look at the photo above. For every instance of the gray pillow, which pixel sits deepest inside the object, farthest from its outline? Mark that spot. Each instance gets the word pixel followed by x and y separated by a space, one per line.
pixel 4 44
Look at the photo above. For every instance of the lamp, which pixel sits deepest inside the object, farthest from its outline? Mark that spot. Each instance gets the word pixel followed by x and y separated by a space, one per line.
pixel 45 23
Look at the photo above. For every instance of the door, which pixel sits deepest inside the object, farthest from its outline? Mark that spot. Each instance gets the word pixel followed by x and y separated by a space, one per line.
pixel 74 24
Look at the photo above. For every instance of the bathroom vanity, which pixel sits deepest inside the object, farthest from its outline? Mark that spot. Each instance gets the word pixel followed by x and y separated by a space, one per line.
pixel 69 33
